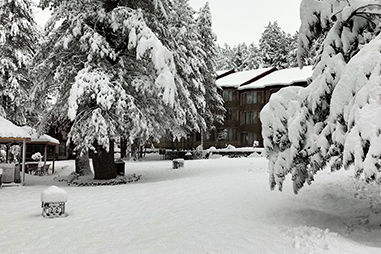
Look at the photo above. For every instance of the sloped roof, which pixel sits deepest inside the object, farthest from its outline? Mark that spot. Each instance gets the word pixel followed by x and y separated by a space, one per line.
pixel 281 77
pixel 10 131
pixel 234 80
pixel 42 139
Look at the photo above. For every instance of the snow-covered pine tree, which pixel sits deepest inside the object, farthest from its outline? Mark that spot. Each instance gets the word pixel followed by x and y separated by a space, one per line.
pixel 253 60
pixel 275 46
pixel 334 120
pixel 19 39
pixel 224 58
pixel 208 54
pixel 115 70
pixel 240 57
pixel 194 53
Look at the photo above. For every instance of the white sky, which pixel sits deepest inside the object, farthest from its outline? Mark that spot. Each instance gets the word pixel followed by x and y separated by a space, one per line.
pixel 237 21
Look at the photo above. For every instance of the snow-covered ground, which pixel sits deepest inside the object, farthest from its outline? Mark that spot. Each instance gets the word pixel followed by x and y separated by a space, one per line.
pixel 219 205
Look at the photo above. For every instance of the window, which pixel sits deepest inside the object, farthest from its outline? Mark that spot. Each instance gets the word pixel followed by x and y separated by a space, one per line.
pixel 229 115
pixel 251 137
pixel 252 97
pixel 260 97
pixel 243 99
pixel 232 134
pixel 249 117
pixel 227 95
pixel 255 117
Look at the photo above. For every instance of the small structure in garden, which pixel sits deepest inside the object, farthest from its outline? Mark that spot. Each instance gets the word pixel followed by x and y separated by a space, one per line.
pixel 40 143
pixel 13 134
pixel 53 201
pixel 178 163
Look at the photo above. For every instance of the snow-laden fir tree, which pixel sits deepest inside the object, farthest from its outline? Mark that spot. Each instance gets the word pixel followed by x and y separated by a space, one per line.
pixel 122 69
pixel 208 54
pixel 18 42
pixel 224 60
pixel 240 57
pixel 276 47
pixel 335 120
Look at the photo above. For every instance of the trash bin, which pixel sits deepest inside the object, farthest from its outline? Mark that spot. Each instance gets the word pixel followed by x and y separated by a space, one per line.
pixel 17 173
pixel 188 156
pixel 177 163
pixel 119 165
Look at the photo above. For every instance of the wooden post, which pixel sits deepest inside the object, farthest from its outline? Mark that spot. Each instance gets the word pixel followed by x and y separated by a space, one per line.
pixel 54 158
pixel 23 162
pixel 45 155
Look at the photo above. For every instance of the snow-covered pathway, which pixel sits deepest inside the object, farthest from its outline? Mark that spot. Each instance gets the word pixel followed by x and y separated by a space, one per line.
pixel 210 206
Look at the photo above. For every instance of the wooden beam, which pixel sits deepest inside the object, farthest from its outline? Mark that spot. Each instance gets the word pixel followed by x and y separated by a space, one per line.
pixel 23 162
pixel 45 155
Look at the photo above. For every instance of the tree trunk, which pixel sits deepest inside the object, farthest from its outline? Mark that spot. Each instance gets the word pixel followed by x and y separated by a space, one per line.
pixel 123 148
pixel 82 164
pixel 103 162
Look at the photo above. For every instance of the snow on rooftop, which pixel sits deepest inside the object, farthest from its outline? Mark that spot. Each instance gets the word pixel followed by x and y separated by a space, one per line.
pixel 11 131
pixel 234 80
pixel 44 138
pixel 281 77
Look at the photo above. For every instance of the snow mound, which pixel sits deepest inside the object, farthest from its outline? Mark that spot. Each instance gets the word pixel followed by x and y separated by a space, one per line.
pixel 309 239
pixel 54 194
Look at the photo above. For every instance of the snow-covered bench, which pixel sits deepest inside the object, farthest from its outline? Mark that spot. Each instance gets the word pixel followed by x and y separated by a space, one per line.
pixel 33 168
pixel 53 201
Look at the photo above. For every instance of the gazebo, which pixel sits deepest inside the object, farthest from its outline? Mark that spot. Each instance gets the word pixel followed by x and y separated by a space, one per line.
pixel 11 133
pixel 43 139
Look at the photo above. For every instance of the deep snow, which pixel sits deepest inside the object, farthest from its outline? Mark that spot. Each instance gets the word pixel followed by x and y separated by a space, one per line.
pixel 219 205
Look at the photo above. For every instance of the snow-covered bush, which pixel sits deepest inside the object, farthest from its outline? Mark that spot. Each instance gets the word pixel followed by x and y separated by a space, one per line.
pixel 334 121
pixel 37 156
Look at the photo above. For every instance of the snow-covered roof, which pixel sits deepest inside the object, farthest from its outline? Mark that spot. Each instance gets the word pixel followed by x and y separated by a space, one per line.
pixel 281 77
pixel 10 131
pixel 43 139
pixel 234 80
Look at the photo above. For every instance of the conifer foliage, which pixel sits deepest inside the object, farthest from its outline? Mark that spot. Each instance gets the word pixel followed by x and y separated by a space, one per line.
pixel 124 69
pixel 275 46
pixel 19 38
pixel 335 120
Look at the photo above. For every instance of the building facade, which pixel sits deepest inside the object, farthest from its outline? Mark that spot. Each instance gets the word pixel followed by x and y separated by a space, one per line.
pixel 245 94
pixel 244 100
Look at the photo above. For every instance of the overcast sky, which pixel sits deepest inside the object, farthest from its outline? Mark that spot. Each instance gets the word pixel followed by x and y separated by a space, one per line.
pixel 237 21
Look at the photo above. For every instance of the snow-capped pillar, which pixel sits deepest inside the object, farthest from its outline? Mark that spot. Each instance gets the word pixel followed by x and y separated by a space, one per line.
pixel 53 201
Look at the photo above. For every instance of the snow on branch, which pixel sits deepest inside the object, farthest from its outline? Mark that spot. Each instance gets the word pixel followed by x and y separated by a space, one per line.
pixel 334 122
pixel 146 43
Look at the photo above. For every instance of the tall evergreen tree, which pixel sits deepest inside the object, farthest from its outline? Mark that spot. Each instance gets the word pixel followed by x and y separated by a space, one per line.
pixel 117 70
pixel 225 58
pixel 275 46
pixel 19 39
pixel 208 54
